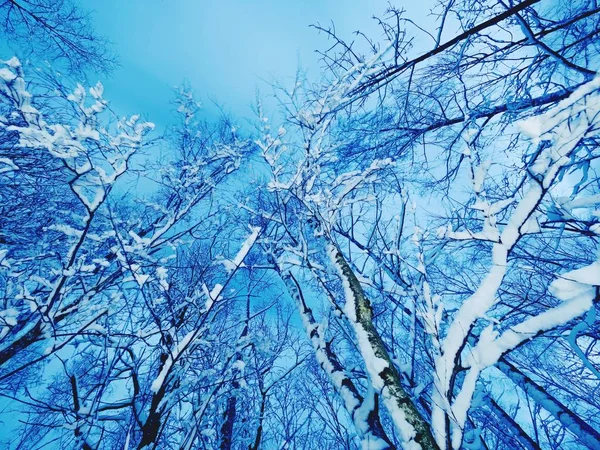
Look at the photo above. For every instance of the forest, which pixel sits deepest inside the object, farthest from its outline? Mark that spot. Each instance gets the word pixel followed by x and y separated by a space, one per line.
pixel 400 253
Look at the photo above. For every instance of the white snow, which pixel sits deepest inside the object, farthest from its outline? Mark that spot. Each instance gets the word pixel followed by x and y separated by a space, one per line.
pixel 7 75
pixel 66 229
pixel 577 283
pixel 174 354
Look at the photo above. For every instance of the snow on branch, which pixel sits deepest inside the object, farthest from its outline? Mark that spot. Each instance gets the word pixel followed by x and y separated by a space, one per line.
pixel 564 126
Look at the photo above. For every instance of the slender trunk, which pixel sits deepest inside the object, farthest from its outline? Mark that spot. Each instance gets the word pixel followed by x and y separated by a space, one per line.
pixel 229 420
pixel 384 375
pixel 259 430
pixel 513 427
pixel 76 407
pixel 353 401
pixel 587 435
pixel 150 428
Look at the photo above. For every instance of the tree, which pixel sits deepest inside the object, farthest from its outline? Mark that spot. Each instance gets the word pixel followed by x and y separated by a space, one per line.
pixel 444 103
pixel 409 259
pixel 57 31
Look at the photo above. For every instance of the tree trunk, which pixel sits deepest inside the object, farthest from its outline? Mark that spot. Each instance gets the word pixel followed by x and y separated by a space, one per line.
pixel 384 376
pixel 229 420
pixel 352 400
pixel 515 429
pixel 568 419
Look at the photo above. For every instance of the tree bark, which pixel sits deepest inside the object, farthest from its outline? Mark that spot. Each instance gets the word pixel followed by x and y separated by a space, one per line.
pixel 395 397
pixel 330 364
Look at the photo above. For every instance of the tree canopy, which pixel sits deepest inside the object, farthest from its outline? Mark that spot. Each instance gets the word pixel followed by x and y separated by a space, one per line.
pixel 403 254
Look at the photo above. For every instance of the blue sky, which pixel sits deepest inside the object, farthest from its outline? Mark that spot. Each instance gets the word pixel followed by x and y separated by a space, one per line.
pixel 225 49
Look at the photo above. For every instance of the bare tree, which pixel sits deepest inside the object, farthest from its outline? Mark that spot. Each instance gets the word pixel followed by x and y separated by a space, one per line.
pixel 56 31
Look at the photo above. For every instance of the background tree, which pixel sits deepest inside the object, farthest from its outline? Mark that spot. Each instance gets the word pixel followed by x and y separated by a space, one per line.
pixel 59 31
pixel 408 260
